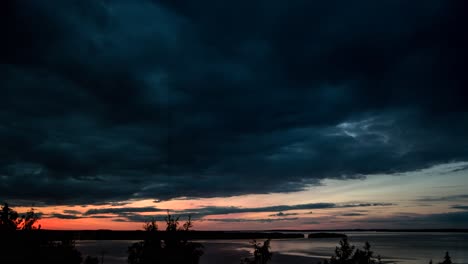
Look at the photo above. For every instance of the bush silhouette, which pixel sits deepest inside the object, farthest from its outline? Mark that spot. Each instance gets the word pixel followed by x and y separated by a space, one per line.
pixel 173 248
pixel 261 254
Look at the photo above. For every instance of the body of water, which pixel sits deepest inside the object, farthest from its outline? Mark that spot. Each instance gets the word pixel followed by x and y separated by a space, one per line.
pixel 396 247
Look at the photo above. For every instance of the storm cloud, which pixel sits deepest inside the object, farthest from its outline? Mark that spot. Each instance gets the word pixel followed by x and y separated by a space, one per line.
pixel 105 101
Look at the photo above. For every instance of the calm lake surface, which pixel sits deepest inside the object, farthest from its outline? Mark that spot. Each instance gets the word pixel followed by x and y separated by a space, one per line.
pixel 396 247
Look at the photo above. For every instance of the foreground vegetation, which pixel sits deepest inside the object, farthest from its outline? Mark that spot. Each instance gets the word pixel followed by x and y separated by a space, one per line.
pixel 174 248
pixel 22 241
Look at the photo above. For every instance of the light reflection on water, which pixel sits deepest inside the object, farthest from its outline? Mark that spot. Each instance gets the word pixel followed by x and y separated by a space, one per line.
pixel 401 247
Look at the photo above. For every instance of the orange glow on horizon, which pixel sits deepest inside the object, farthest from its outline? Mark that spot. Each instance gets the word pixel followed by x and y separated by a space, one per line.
pixel 87 224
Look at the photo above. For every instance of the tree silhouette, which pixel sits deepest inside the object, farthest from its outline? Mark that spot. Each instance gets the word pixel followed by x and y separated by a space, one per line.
pixel 28 221
pixel 22 242
pixel 261 254
pixel 149 250
pixel 345 253
pixel 8 218
pixel 174 248
pixel 171 223
pixel 447 259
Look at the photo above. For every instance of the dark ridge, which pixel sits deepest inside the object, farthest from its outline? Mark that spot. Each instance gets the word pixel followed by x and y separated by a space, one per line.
pixel 326 235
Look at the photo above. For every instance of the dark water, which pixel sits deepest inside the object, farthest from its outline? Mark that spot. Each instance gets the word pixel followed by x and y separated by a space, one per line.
pixel 397 247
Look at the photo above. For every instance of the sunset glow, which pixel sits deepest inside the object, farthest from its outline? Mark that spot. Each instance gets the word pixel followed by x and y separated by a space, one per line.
pixel 400 200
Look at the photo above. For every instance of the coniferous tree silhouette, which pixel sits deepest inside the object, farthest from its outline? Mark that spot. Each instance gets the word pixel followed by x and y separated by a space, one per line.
pixel 174 248
pixel 447 259
pixel 343 253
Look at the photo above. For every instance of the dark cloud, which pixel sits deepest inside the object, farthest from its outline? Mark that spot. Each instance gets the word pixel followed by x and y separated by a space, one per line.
pixel 353 214
pixel 134 217
pixel 222 210
pixel 103 101
pixel 462 207
pixel 123 210
pixel 460 197
pixel 74 212
pixel 242 220
pixel 64 216
pixel 145 218
pixel 283 214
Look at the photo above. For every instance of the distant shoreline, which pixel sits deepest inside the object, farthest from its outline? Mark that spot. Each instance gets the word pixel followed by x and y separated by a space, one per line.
pixel 421 230
pixel 211 235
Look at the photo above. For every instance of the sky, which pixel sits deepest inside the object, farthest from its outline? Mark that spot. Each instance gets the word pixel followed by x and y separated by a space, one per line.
pixel 246 115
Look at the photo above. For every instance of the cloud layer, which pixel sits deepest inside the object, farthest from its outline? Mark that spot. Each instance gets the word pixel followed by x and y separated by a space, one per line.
pixel 103 101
